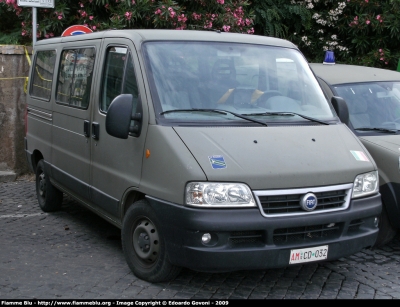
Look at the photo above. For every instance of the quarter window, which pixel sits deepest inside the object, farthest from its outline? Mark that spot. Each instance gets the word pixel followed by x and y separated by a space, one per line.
pixel 42 77
pixel 75 77
pixel 119 77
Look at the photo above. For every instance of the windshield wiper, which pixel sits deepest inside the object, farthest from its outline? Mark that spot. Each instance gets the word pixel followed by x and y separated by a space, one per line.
pixel 290 114
pixel 376 129
pixel 217 111
pixel 190 110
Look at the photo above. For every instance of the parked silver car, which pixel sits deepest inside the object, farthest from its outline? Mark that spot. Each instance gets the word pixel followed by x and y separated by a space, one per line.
pixel 373 99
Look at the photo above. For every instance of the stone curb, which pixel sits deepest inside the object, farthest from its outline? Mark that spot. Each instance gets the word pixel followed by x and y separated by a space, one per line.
pixel 7 176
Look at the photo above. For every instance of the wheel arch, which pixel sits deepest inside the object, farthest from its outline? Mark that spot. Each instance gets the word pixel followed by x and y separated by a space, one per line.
pixel 390 200
pixel 131 196
pixel 36 157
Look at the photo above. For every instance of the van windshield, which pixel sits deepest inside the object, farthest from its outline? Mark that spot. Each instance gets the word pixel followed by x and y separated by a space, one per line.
pixel 373 105
pixel 264 83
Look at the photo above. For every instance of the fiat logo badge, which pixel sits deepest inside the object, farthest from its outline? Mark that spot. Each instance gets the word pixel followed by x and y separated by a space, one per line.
pixel 309 202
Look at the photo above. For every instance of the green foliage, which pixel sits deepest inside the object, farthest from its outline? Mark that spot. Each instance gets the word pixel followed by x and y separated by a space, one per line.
pixel 225 15
pixel 322 35
pixel 371 30
pixel 349 27
pixel 9 26
pixel 362 32
pixel 279 18
pixel 11 38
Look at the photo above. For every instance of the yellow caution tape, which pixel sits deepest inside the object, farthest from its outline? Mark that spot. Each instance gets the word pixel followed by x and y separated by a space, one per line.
pixel 41 87
pixel 26 85
pixel 26 78
pixel 13 78
pixel 41 77
pixel 27 56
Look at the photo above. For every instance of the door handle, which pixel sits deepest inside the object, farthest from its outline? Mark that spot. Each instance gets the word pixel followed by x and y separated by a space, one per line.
pixel 86 128
pixel 95 131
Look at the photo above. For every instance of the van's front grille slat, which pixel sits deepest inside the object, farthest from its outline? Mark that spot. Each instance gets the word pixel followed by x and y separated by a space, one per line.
pixel 306 233
pixel 288 202
pixel 355 225
pixel 242 237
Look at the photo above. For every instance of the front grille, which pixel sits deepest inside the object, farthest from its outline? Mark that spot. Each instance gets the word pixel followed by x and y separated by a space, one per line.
pixel 276 203
pixel 307 233
pixel 243 237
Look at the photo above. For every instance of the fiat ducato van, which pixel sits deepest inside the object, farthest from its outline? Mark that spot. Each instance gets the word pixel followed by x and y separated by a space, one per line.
pixel 211 151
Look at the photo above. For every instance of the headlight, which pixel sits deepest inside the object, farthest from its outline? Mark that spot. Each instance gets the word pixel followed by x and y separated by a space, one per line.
pixel 218 195
pixel 366 184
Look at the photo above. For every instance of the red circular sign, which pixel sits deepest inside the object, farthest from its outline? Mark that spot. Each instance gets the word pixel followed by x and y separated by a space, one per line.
pixel 76 30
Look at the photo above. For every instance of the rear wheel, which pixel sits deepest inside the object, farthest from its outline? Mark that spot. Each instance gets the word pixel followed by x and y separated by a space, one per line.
pixel 386 230
pixel 49 197
pixel 144 246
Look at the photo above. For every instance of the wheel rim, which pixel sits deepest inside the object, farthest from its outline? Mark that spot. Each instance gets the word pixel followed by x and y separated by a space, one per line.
pixel 42 185
pixel 146 241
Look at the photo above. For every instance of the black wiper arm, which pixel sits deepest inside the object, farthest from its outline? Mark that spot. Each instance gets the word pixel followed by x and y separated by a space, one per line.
pixel 191 110
pixel 291 114
pixel 217 111
pixel 376 129
pixel 271 113
pixel 245 117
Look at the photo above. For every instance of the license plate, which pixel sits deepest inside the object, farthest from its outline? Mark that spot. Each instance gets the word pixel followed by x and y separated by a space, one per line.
pixel 308 254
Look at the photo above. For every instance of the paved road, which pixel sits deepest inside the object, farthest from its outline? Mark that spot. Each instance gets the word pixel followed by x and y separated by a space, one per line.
pixel 73 254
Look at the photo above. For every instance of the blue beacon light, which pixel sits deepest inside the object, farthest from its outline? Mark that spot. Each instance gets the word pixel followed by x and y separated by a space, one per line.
pixel 329 57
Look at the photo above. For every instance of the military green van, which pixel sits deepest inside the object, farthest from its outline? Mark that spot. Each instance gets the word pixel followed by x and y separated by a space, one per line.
pixel 211 151
pixel 373 99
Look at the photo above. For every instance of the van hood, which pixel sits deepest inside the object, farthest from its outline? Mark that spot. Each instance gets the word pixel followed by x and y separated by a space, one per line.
pixel 390 142
pixel 278 157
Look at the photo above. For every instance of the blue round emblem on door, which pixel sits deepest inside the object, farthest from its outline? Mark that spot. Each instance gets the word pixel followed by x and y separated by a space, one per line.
pixel 309 202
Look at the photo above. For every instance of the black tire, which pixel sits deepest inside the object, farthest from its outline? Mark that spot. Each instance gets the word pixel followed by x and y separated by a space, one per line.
pixel 386 230
pixel 49 197
pixel 143 245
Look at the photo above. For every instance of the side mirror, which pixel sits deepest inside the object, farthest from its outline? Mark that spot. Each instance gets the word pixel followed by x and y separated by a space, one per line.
pixel 119 117
pixel 340 106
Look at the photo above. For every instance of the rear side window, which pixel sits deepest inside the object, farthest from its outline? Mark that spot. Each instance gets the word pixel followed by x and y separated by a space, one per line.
pixel 75 77
pixel 42 74
pixel 118 77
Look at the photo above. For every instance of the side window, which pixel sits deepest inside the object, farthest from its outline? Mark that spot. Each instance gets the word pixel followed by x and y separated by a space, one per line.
pixel 75 77
pixel 42 74
pixel 130 85
pixel 119 77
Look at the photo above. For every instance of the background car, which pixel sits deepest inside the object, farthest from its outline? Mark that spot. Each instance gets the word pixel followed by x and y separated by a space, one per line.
pixel 373 99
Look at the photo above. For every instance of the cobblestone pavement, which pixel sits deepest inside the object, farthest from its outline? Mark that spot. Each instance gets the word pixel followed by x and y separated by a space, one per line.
pixel 74 254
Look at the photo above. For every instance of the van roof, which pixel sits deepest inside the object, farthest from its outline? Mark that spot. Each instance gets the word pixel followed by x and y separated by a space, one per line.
pixel 175 35
pixel 343 74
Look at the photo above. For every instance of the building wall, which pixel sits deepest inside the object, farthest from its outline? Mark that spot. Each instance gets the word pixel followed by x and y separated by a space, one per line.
pixel 14 70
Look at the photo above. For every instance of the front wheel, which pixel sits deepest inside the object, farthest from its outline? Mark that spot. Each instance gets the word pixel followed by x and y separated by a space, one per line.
pixel 49 197
pixel 143 244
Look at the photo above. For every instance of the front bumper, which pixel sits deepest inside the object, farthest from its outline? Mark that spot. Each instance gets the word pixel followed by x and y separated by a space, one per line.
pixel 244 239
